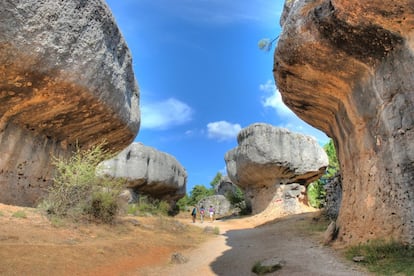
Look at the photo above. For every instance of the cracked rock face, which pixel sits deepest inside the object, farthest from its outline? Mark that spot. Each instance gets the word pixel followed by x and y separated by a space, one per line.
pixel 65 77
pixel 347 67
pixel 148 171
pixel 268 157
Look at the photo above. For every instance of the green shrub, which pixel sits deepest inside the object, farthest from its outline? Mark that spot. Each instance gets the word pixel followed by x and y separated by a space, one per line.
pixel 316 194
pixel 385 258
pixel 19 214
pixel 147 205
pixel 260 269
pixel 78 192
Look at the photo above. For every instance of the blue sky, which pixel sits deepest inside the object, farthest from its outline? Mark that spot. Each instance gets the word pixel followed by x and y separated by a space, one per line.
pixel 202 76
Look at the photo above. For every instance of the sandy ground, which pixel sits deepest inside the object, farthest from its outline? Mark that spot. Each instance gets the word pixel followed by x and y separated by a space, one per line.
pixel 243 242
pixel 32 245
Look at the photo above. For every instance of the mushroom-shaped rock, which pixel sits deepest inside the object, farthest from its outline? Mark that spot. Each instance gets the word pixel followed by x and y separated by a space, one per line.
pixel 148 171
pixel 267 157
pixel 347 68
pixel 66 78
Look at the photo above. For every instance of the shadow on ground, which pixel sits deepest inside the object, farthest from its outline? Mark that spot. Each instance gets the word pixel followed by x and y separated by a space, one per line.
pixel 291 239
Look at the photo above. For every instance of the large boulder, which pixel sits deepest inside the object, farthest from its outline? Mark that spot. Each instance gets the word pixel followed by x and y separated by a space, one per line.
pixel 222 206
pixel 148 171
pixel 66 78
pixel 269 157
pixel 346 67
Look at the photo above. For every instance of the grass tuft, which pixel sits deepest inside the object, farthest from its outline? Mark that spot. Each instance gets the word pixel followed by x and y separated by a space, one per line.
pixel 385 258
pixel 19 214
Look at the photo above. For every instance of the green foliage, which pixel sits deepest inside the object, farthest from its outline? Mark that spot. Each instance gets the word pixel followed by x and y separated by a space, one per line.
pixel 19 214
pixel 216 180
pixel 385 258
pixel 183 202
pixel 198 193
pixel 149 206
pixel 333 167
pixel 78 193
pixel 236 197
pixel 316 191
pixel 266 44
pixel 316 194
pixel 260 269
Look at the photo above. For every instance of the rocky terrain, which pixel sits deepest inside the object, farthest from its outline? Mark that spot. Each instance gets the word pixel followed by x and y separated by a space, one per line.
pixel 148 171
pixel 66 79
pixel 272 165
pixel 346 67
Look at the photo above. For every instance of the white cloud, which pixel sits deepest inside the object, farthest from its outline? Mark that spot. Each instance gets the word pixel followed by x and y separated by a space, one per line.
pixel 165 114
pixel 222 130
pixel 273 99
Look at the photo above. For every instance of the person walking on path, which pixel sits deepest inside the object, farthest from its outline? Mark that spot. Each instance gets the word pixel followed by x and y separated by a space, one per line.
pixel 202 210
pixel 211 213
pixel 194 214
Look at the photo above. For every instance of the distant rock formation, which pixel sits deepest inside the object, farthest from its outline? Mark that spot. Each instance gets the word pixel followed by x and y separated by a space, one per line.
pixel 346 67
pixel 148 171
pixel 225 186
pixel 267 158
pixel 222 207
pixel 66 78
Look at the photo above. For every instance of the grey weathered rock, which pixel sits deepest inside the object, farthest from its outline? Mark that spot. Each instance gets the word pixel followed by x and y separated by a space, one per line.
pixel 333 196
pixel 148 171
pixel 268 157
pixel 346 67
pixel 220 203
pixel 225 186
pixel 66 77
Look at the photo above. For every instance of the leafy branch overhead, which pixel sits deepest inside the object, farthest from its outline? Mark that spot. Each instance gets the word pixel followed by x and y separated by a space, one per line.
pixel 266 44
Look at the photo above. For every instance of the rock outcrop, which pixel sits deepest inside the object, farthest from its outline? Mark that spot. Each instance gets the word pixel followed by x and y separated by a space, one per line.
pixel 267 158
pixel 225 186
pixel 222 207
pixel 148 171
pixel 66 78
pixel 347 67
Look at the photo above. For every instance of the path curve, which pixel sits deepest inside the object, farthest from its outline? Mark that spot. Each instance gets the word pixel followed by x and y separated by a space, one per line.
pixel 242 243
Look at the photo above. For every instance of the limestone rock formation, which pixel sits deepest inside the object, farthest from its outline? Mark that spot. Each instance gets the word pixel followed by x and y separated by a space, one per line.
pixel 148 171
pixel 222 207
pixel 65 77
pixel 267 157
pixel 225 186
pixel 347 67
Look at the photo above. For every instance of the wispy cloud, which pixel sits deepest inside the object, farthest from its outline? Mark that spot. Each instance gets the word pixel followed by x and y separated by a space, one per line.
pixel 223 11
pixel 222 130
pixel 286 118
pixel 273 99
pixel 165 114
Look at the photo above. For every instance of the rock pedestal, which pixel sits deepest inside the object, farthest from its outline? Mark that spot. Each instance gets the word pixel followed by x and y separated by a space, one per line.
pixel 268 157
pixel 66 78
pixel 347 67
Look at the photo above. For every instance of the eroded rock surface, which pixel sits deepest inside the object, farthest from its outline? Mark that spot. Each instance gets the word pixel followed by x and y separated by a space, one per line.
pixel 347 68
pixel 148 171
pixel 267 158
pixel 65 77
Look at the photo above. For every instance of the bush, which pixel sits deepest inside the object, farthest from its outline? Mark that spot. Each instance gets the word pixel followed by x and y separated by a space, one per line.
pixel 147 205
pixel 78 192
pixel 385 258
pixel 316 194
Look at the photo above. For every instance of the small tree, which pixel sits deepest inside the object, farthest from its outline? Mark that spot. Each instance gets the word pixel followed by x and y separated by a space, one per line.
pixel 77 192
pixel 216 180
pixel 316 190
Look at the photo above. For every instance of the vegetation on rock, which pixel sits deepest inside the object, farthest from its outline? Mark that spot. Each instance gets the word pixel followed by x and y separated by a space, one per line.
pixel 78 192
pixel 316 190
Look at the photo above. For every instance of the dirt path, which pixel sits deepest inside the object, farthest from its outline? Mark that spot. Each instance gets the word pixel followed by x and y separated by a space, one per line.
pixel 32 245
pixel 240 245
